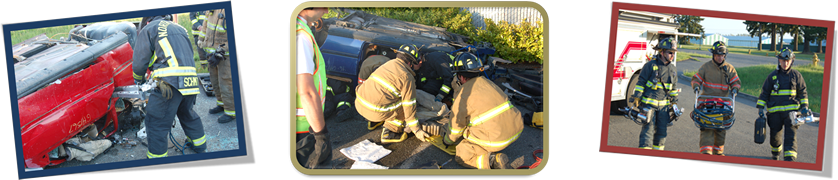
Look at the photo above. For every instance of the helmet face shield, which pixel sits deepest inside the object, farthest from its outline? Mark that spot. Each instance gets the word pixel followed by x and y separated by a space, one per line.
pixel 668 44
pixel 719 48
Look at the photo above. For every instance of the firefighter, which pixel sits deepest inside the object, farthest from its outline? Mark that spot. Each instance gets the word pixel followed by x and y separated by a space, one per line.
pixel 176 79
pixel 388 96
pixel 367 67
pixel 221 77
pixel 716 78
pixel 783 91
pixel 435 77
pixel 433 84
pixel 656 87
pixel 313 144
pixel 197 19
pixel 483 116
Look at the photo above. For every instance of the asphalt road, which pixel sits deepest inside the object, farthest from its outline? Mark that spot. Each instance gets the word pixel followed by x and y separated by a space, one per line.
pixel 412 152
pixel 737 60
pixel 683 136
pixel 220 137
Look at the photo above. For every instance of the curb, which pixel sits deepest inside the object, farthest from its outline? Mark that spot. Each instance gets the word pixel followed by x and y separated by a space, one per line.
pixel 740 95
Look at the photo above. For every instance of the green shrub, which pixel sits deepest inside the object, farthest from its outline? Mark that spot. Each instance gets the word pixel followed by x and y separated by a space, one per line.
pixel 518 43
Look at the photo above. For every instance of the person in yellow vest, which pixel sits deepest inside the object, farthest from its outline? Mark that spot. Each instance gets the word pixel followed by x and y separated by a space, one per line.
pixel 221 76
pixel 163 47
pixel 483 116
pixel 389 97
pixel 716 78
pixel 313 145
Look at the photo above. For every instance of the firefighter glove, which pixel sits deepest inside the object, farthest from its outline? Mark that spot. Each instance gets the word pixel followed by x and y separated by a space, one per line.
pixel 439 98
pixel 322 148
pixel 215 58
pixel 633 101
pixel 762 113
pixel 733 92
pixel 697 90
pixel 805 111
pixel 421 134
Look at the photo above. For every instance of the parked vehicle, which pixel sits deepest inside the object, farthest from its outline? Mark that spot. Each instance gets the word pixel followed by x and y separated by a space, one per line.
pixel 637 33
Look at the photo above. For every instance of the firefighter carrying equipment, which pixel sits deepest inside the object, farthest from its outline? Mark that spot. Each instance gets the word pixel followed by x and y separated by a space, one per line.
pixel 783 90
pixel 716 79
pixel 759 130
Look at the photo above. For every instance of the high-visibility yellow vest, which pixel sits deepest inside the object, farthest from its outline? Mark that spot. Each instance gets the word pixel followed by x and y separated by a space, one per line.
pixel 319 77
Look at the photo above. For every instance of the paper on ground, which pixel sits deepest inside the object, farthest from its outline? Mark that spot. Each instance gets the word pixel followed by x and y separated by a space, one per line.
pixel 365 151
pixel 367 165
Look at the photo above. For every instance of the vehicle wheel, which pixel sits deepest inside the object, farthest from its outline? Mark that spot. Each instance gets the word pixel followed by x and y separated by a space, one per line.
pixel 629 91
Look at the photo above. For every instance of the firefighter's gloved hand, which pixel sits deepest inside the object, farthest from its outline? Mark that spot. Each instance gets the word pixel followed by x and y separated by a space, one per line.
pixel 439 97
pixel 322 148
pixel 214 59
pixel 762 112
pixel 421 134
pixel 733 92
pixel 805 111
pixel 697 89
pixel 633 101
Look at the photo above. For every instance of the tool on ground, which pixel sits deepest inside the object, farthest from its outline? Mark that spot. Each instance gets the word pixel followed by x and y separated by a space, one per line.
pixel 537 160
pixel 437 141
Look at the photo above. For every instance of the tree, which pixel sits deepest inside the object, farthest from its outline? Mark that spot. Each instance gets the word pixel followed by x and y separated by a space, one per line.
pixel 689 24
pixel 795 31
pixel 812 34
pixel 756 28
pixel 782 29
pixel 773 30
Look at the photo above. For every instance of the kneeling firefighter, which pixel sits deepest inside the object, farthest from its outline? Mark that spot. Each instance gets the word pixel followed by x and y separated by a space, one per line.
pixel 655 88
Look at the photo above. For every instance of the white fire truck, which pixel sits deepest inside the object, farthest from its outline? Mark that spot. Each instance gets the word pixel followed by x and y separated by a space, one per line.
pixel 637 33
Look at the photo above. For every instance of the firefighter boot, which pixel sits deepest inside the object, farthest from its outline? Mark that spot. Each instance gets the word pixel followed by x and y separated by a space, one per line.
pixel 719 150
pixel 372 125
pixel 498 161
pixel 199 149
pixel 388 136
pixel 225 119
pixel 789 156
pixel 216 110
pixel 775 152
pixel 706 150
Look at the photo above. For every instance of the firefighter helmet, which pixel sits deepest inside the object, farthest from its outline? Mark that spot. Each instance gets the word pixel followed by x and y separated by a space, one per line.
pixel 719 48
pixel 467 62
pixel 411 51
pixel 667 43
pixel 786 54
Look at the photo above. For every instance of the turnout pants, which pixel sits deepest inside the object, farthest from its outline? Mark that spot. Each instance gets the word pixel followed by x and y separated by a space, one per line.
pixel 221 78
pixel 475 156
pixel 653 134
pixel 777 122
pixel 712 141
pixel 161 115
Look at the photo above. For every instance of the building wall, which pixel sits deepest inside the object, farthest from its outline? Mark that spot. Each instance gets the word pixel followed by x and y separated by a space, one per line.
pixel 513 15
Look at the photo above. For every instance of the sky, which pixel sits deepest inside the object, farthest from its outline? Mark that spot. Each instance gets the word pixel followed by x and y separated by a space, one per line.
pixel 725 26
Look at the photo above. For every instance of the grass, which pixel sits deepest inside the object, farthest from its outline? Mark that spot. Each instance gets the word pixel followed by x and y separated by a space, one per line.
pixel 56 32
pixel 752 78
pixel 684 56
pixel 753 51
